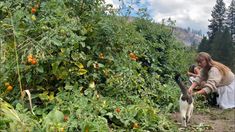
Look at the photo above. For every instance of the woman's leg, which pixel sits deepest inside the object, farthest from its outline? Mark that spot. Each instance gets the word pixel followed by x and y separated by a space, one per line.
pixel 226 97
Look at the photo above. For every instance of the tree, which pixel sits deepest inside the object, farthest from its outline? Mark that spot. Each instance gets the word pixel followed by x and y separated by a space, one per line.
pixel 204 45
pixel 217 22
pixel 222 49
pixel 231 18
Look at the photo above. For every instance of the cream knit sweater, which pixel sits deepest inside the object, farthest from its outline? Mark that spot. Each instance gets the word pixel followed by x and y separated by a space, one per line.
pixel 214 79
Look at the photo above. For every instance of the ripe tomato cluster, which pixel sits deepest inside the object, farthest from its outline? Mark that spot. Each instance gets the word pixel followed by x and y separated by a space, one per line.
pixel 32 60
pixel 133 56
pixel 8 86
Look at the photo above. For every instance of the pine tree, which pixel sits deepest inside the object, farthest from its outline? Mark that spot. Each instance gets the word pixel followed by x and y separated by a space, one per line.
pixel 231 26
pixel 231 18
pixel 217 22
pixel 204 45
pixel 228 49
pixel 222 50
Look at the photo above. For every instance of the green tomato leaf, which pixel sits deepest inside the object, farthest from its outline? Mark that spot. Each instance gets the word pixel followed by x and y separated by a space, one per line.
pixel 82 71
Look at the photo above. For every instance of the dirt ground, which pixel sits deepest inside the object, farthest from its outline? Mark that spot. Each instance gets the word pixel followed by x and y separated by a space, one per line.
pixel 209 120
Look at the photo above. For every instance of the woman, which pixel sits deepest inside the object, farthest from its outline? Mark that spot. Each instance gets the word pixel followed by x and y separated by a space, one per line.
pixel 215 77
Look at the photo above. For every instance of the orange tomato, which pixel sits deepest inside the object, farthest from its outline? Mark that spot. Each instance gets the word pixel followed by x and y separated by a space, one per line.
pixel 30 56
pixel 34 61
pixel 134 59
pixel 30 60
pixel 9 88
pixel 133 56
pixel 33 10
pixel 118 110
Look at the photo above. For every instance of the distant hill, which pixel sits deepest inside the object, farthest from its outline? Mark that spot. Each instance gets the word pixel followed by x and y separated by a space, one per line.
pixel 187 36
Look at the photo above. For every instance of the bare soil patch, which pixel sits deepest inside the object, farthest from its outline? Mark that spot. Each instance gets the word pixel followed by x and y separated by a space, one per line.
pixel 209 120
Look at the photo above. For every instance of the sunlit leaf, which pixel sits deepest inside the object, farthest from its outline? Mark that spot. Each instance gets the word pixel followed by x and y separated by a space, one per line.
pixel 82 71
pixel 92 84
pixel 68 87
pixel 80 65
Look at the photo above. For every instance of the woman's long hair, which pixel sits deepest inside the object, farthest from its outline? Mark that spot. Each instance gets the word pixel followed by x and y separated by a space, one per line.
pixel 224 70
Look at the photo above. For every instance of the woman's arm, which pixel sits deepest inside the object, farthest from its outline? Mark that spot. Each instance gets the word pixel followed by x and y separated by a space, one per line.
pixel 214 79
pixel 194 84
pixel 202 92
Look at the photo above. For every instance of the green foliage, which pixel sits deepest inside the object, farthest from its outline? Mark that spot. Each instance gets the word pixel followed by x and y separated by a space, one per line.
pixel 218 18
pixel 204 45
pixel 19 119
pixel 230 17
pixel 220 44
pixel 222 49
pixel 94 70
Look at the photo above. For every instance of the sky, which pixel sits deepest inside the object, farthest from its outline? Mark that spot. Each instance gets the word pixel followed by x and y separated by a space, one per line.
pixel 187 13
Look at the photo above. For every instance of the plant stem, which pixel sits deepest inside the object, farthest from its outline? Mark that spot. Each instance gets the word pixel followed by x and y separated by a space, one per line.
pixel 16 57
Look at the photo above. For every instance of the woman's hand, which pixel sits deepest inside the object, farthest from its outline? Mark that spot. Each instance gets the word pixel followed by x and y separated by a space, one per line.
pixel 190 90
pixel 201 92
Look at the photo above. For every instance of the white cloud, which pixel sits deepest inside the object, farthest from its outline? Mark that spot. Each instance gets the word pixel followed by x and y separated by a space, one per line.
pixel 187 13
pixel 115 3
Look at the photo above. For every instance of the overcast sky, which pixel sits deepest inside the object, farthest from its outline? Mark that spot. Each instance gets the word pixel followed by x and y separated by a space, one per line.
pixel 187 13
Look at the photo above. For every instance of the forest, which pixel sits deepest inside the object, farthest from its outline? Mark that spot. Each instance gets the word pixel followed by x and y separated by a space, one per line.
pixel 221 34
pixel 77 65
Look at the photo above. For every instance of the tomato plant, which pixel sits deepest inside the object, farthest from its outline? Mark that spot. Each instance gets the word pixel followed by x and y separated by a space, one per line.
pixel 87 68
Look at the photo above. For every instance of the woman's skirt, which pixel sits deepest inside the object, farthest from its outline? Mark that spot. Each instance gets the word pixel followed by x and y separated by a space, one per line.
pixel 226 97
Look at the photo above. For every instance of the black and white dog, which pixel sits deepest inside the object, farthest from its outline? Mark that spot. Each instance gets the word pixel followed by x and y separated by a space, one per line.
pixel 185 102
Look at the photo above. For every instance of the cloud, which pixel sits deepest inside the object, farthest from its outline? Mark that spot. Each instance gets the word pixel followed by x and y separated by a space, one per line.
pixel 187 13
pixel 115 3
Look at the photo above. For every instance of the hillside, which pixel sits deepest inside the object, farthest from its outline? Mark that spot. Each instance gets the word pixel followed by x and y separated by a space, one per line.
pixel 187 37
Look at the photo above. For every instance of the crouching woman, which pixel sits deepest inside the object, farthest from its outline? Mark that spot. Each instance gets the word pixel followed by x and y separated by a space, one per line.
pixel 215 77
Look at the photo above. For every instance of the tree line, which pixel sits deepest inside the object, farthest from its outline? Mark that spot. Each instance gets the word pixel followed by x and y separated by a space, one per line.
pixel 220 42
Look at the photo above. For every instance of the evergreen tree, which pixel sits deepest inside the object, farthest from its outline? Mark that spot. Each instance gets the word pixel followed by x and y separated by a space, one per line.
pixel 204 45
pixel 217 22
pixel 216 46
pixel 231 17
pixel 228 49
pixel 222 50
